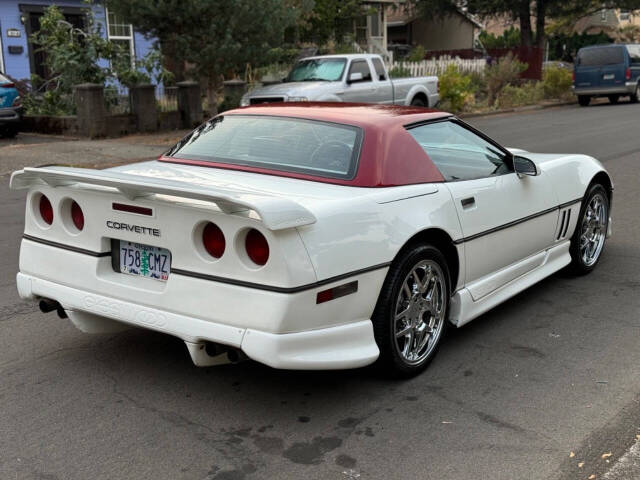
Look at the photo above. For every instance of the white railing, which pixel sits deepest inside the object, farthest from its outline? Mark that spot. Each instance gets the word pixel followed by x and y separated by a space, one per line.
pixel 438 65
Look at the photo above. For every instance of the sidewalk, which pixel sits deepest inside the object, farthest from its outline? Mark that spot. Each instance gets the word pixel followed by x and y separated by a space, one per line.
pixel 31 150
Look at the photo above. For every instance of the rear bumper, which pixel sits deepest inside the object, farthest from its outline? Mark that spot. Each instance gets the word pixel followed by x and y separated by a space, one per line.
pixel 279 329
pixel 339 347
pixel 10 115
pixel 626 89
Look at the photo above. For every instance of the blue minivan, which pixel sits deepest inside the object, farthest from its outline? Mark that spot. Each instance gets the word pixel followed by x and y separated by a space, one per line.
pixel 611 71
pixel 10 108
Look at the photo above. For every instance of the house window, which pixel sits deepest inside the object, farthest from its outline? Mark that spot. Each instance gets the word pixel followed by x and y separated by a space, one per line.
pixel 121 33
pixel 624 16
pixel 603 15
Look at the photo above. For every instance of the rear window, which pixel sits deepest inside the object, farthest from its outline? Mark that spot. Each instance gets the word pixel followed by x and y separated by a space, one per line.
pixel 634 53
pixel 601 56
pixel 283 144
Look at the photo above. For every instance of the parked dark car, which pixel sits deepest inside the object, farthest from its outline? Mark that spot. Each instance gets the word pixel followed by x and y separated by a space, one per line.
pixel 611 71
pixel 10 108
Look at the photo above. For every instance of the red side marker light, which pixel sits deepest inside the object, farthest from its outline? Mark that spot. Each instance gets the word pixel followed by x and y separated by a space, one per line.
pixel 77 216
pixel 257 247
pixel 213 240
pixel 336 292
pixel 46 210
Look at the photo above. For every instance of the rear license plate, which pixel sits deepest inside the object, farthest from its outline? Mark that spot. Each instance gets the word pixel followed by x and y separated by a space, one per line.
pixel 144 260
pixel 608 76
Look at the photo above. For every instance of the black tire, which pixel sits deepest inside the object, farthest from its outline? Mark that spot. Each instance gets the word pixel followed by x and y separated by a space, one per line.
pixel 391 360
pixel 614 99
pixel 635 96
pixel 584 100
pixel 9 131
pixel 418 102
pixel 578 265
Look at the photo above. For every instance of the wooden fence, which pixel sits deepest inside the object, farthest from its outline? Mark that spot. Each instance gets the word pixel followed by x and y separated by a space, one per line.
pixel 436 66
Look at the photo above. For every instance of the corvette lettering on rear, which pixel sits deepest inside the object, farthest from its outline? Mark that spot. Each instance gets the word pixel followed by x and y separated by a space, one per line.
pixel 133 228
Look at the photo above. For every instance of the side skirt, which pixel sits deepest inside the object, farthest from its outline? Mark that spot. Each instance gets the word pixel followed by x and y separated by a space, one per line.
pixel 463 308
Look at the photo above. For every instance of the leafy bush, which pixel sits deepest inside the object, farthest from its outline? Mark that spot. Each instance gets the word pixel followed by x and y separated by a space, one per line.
pixel 399 72
pixel 528 94
pixel 73 57
pixel 506 71
pixel 455 88
pixel 557 82
pixel 417 54
pixel 510 38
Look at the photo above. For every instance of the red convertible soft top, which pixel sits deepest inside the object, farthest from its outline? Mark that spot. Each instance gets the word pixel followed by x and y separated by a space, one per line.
pixel 389 157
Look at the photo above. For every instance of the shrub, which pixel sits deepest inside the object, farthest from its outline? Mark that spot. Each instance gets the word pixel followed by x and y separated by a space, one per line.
pixel 528 94
pixel 506 71
pixel 417 54
pixel 74 56
pixel 557 82
pixel 399 72
pixel 455 88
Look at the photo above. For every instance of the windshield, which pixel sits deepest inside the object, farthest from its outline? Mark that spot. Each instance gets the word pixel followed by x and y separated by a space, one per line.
pixel 284 144
pixel 327 69
pixel 4 79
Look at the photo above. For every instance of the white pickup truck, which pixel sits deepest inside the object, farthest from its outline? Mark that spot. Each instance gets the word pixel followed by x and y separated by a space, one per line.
pixel 346 78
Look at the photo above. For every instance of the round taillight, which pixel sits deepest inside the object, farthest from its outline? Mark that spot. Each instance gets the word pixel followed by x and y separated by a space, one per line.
pixel 77 216
pixel 46 210
pixel 257 247
pixel 213 240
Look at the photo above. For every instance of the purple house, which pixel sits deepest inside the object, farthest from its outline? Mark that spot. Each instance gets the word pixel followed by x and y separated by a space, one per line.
pixel 21 18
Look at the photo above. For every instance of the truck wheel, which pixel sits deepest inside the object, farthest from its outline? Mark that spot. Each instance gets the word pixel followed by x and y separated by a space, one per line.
pixel 584 100
pixel 635 96
pixel 418 102
pixel 9 131
pixel 614 99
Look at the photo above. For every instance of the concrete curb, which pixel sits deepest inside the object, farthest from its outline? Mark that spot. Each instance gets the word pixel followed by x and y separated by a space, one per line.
pixel 526 108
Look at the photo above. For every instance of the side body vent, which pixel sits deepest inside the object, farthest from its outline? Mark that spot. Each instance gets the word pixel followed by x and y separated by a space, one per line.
pixel 565 219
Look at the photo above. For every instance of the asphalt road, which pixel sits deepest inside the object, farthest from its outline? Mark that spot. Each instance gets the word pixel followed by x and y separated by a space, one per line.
pixel 510 396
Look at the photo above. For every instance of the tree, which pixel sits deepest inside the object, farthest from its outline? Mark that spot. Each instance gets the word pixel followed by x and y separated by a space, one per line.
pixel 218 37
pixel 523 11
pixel 320 21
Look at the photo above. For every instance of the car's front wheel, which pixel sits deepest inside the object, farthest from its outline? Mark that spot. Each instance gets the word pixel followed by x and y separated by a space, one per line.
pixel 411 314
pixel 590 234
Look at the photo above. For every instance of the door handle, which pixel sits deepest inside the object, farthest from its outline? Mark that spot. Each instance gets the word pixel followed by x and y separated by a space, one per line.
pixel 468 202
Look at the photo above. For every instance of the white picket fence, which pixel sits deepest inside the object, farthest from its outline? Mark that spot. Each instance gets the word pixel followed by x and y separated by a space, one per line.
pixel 438 65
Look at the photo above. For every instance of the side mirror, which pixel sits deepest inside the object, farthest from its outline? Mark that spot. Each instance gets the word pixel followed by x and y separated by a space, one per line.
pixel 355 77
pixel 524 166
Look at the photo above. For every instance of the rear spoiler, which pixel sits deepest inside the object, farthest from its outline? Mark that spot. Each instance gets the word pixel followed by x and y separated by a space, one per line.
pixel 275 212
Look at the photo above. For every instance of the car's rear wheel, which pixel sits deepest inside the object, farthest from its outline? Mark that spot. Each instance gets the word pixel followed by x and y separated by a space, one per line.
pixel 9 131
pixel 614 98
pixel 584 100
pixel 411 315
pixel 590 234
pixel 635 96
pixel 418 102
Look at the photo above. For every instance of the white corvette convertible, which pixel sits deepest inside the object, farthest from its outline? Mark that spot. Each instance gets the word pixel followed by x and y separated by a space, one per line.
pixel 310 236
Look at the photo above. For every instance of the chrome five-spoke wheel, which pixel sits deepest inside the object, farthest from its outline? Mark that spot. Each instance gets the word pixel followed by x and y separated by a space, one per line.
pixel 594 229
pixel 419 312
pixel 410 318
pixel 590 234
